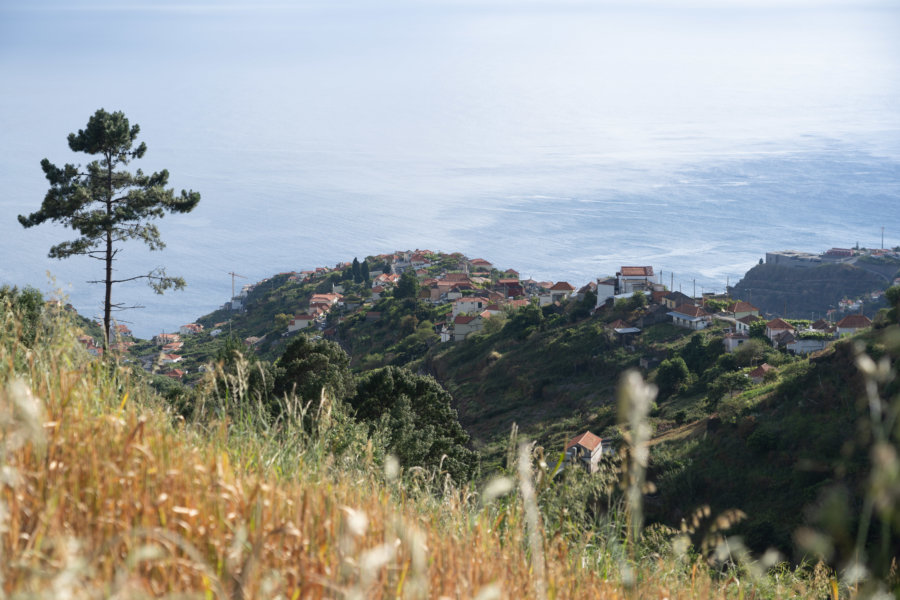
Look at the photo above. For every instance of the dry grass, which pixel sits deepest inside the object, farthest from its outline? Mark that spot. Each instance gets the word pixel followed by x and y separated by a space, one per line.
pixel 104 494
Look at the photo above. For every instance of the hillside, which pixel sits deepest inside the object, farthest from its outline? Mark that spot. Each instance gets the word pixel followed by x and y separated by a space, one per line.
pixel 810 293
pixel 107 493
pixel 552 372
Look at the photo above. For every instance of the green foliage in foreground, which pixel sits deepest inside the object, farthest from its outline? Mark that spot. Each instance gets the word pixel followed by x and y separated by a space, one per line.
pixel 413 416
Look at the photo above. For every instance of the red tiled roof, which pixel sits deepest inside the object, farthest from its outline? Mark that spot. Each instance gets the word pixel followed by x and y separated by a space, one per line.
pixel 750 319
pixel 779 323
pixel 637 271
pixel 821 324
pixel 761 370
pixel 741 306
pixel 463 320
pixel 586 440
pixel 854 322
pixel 691 310
pixel 618 324
pixel 563 286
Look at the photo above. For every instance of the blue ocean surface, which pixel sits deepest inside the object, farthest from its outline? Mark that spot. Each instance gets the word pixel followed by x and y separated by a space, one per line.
pixel 563 139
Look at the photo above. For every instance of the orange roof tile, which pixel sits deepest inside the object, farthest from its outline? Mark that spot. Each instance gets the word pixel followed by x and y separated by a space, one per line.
pixel 854 322
pixel 586 440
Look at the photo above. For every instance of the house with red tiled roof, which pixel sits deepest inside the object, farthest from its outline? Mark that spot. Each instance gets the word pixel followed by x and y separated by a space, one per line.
pixel 742 325
pixel 758 374
pixel 517 304
pixel 630 279
pixel 822 325
pixel 330 299
pixel 456 277
pixel 479 264
pixel 119 330
pixel 585 450
pixel 190 329
pixel 174 374
pixel 173 347
pixel 776 327
pixel 166 338
pixel 851 324
pixel 561 290
pixel 556 292
pixel 465 325
pixel 742 309
pixel 690 317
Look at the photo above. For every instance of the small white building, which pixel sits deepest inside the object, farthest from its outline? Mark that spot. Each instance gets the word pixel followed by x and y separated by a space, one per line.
pixel 300 322
pixel 585 450
pixel 851 324
pixel 469 304
pixel 606 289
pixel 733 341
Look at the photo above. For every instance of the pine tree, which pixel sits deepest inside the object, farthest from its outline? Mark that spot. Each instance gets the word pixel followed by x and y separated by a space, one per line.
pixel 364 269
pixel 357 274
pixel 107 204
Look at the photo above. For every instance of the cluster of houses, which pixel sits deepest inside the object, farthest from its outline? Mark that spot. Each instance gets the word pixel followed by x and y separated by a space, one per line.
pixel 476 294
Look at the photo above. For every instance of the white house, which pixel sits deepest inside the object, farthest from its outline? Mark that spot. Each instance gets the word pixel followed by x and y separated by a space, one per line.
pixel 190 329
pixel 561 291
pixel 606 289
pixel 733 341
pixel 479 264
pixel 803 346
pixel 463 326
pixel 300 322
pixel 469 304
pixel 851 324
pixel 690 317
pixel 741 309
pixel 630 279
pixel 585 450
pixel 776 327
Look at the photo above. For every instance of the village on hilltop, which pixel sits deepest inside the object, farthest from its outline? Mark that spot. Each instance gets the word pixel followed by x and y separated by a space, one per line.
pixel 477 291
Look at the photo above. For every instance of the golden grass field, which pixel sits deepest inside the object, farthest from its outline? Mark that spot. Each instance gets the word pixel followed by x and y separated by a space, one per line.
pixel 104 493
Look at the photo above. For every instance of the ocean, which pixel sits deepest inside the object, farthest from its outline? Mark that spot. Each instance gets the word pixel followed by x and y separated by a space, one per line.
pixel 563 139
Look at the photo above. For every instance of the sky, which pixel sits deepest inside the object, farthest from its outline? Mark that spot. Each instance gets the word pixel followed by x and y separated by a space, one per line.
pixel 558 138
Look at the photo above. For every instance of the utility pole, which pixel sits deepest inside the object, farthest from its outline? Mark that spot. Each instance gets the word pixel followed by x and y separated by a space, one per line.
pixel 882 237
pixel 231 300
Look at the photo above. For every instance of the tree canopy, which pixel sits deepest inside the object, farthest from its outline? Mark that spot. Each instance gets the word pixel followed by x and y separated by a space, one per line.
pixel 414 415
pixel 407 286
pixel 309 366
pixel 108 205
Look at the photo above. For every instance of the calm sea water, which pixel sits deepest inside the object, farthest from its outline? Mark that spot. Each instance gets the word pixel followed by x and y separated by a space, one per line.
pixel 563 139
